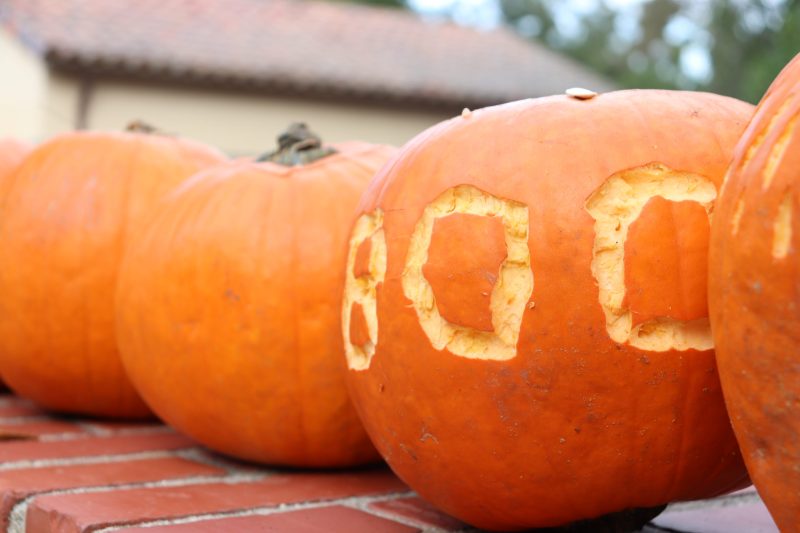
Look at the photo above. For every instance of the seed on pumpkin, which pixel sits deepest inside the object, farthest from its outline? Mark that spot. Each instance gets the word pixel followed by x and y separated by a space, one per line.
pixel 580 93
pixel 466 113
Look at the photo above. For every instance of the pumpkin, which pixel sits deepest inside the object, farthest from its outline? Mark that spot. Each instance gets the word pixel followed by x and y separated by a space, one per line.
pixel 70 208
pixel 12 152
pixel 754 295
pixel 525 312
pixel 228 307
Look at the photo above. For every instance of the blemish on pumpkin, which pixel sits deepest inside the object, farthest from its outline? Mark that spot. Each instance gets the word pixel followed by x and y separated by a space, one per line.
pixel 777 153
pixel 362 289
pixel 231 295
pixel 619 201
pixel 463 249
pixel 426 435
pixel 409 451
pixel 782 232
pixel 509 293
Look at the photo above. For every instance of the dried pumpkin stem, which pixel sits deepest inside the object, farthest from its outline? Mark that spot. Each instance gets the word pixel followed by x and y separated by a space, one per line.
pixel 140 126
pixel 298 145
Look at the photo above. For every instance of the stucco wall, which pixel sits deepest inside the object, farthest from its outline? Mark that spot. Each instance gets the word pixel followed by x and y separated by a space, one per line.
pixel 61 102
pixel 36 103
pixel 22 90
pixel 247 123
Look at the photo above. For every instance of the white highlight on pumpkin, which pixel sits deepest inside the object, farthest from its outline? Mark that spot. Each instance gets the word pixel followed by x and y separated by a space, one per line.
pixel 511 291
pixel 363 289
pixel 615 205
pixel 782 236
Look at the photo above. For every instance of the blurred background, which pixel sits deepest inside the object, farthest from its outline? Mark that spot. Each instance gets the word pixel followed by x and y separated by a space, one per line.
pixel 234 73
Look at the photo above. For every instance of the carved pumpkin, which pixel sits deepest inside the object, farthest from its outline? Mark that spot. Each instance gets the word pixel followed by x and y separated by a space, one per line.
pixel 228 308
pixel 71 207
pixel 525 308
pixel 755 296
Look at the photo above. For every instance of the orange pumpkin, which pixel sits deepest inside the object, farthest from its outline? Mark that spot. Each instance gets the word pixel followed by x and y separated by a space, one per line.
pixel 71 207
pixel 754 296
pixel 12 152
pixel 525 308
pixel 228 307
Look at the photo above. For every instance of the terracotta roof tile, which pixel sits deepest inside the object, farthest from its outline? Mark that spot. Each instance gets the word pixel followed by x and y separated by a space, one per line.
pixel 293 45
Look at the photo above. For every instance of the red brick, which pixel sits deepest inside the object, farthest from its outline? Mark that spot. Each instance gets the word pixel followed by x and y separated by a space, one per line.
pixel 31 430
pixel 90 446
pixel 16 485
pixel 119 425
pixel 334 519
pixel 420 511
pixel 13 406
pixel 78 513
pixel 746 517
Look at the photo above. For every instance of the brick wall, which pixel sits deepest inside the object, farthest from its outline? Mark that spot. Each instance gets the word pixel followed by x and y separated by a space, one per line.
pixel 70 475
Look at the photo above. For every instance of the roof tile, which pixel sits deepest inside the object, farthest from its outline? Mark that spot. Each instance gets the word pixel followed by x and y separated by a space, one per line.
pixel 302 46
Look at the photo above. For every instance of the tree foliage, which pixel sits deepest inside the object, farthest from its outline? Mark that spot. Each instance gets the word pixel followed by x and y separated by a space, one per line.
pixel 733 47
pixel 746 42
pixel 379 3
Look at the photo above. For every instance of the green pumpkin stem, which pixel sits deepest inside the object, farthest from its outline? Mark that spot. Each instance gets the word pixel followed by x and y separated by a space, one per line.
pixel 298 145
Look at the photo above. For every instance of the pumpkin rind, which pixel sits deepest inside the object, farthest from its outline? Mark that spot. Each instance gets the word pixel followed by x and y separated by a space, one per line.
pixel 228 309
pixel 754 296
pixel 70 208
pixel 12 152
pixel 570 407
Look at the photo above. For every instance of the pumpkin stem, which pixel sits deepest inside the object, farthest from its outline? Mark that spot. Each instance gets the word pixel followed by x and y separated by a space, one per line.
pixel 140 126
pixel 298 145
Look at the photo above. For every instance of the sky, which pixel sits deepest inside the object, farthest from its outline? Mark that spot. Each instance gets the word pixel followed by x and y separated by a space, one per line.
pixel 486 13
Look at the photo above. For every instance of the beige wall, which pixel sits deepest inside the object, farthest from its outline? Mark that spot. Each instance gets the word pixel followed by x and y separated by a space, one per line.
pixel 61 102
pixel 243 123
pixel 22 91
pixel 36 103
